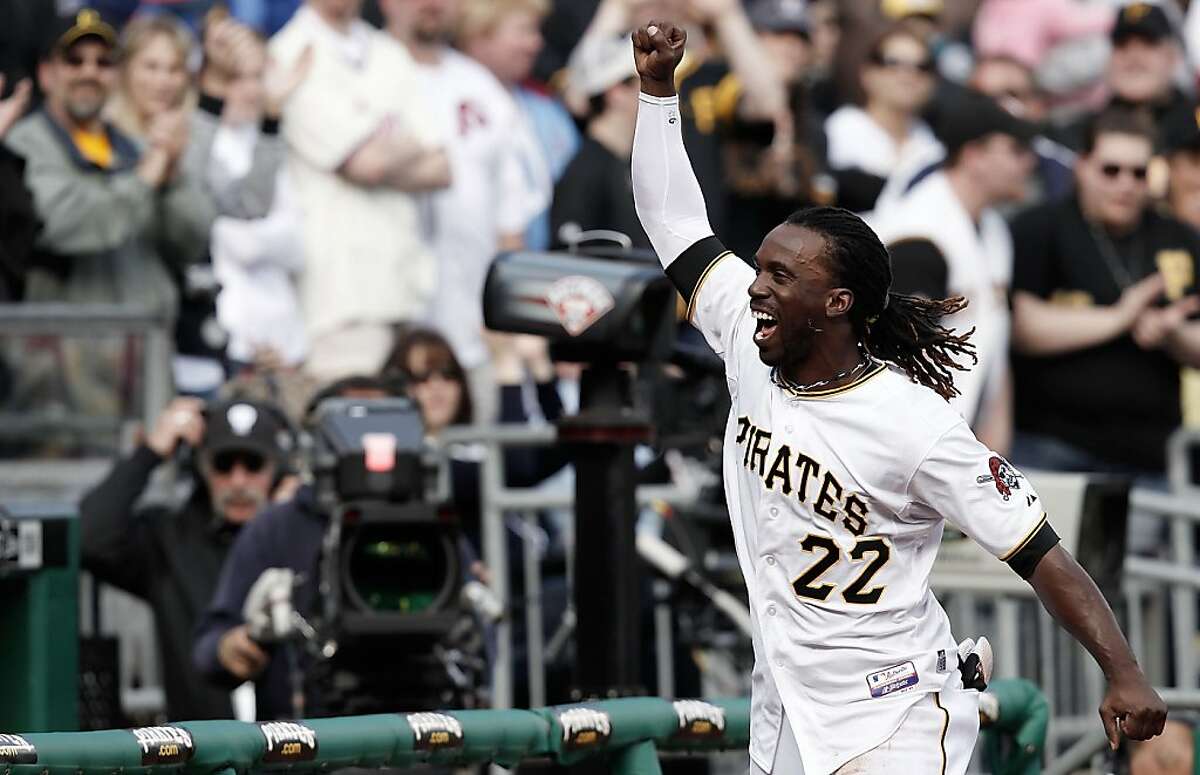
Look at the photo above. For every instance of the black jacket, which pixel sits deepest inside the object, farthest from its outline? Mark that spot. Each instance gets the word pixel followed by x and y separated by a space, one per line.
pixel 170 559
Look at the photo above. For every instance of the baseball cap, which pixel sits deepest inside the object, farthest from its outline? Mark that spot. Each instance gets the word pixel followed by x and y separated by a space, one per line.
pixel 901 9
pixel 245 426
pixel 1181 131
pixel 976 116
pixel 779 16
pixel 1142 20
pixel 69 30
pixel 601 64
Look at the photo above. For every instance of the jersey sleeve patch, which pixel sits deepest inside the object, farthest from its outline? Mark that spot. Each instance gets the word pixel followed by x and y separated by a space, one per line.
pixel 1025 556
pixel 689 270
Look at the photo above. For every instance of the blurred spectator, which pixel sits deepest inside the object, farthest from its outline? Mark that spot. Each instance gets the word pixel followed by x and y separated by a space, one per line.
pixel 152 78
pixel 503 36
pixel 596 191
pixel 947 239
pixel 491 199
pixel 1141 71
pixel 18 219
pixel 772 172
pixel 154 87
pixel 116 219
pixel 885 135
pixel 1025 30
pixel 722 77
pixel 236 149
pixel 1104 287
pixel 435 379
pixel 171 556
pixel 1012 85
pixel 286 535
pixel 360 139
pixel 1182 138
pixel 928 18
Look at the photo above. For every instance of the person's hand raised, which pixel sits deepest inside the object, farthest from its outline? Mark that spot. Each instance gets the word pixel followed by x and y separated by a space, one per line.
pixel 13 107
pixel 657 50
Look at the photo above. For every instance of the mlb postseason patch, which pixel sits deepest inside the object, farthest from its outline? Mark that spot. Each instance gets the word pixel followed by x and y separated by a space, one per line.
pixel 15 749
pixel 435 731
pixel 288 742
pixel 698 720
pixel 892 680
pixel 584 728
pixel 164 745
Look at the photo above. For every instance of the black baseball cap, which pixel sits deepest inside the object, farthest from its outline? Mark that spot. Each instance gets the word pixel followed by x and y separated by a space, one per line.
pixel 245 426
pixel 1142 20
pixel 1181 131
pixel 779 16
pixel 974 116
pixel 69 30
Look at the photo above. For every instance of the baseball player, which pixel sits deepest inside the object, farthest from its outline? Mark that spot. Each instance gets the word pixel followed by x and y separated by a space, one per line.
pixel 843 461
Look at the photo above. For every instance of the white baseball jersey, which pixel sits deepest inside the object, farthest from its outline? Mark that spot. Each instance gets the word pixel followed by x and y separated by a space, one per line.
pixel 837 500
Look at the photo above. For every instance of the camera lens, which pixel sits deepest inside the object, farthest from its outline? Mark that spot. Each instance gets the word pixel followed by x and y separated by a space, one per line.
pixel 397 568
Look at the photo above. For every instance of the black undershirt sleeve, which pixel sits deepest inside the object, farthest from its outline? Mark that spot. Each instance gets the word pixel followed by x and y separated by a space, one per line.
pixel 919 269
pixel 688 270
pixel 1025 561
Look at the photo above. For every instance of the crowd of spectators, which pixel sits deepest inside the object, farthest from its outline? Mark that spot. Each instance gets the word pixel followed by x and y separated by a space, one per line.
pixel 313 190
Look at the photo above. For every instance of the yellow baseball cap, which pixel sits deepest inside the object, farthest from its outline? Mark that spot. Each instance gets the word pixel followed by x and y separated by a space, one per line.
pixel 87 23
pixel 900 9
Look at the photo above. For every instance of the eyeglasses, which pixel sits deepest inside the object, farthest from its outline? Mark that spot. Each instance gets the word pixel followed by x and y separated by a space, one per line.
pixel 224 462
pixel 925 66
pixel 76 61
pixel 1113 171
pixel 446 373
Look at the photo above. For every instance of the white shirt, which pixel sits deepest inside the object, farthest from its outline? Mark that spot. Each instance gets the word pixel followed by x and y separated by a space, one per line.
pixel 856 141
pixel 979 261
pixel 364 257
pixel 256 262
pixel 837 500
pixel 494 190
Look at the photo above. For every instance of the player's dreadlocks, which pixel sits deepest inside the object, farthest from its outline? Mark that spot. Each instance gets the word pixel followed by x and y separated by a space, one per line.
pixel 903 330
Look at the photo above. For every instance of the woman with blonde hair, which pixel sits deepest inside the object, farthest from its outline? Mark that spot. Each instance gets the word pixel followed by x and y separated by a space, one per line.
pixel 154 87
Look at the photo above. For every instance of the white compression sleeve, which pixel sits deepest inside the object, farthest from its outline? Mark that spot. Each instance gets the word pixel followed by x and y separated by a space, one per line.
pixel 666 193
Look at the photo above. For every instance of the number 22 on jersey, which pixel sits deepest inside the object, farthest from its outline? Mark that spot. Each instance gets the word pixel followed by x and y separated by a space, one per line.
pixel 872 553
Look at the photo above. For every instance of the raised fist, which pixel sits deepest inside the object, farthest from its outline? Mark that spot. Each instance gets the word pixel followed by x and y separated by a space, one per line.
pixel 657 50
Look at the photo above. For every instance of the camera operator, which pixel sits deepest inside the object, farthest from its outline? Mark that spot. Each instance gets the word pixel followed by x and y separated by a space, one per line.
pixel 286 536
pixel 171 557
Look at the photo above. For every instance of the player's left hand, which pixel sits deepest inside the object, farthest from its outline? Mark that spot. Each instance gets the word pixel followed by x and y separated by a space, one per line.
pixel 1133 707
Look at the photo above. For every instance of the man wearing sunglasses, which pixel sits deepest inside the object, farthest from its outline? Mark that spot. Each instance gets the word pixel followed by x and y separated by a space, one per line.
pixel 172 556
pixel 1104 296
pixel 113 213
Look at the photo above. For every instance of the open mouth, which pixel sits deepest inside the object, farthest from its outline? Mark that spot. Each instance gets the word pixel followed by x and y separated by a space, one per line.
pixel 765 325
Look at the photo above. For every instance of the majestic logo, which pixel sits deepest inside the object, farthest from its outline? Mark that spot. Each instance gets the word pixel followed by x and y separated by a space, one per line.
pixel 164 745
pixel 241 418
pixel 578 302
pixel 699 720
pixel 288 741
pixel 1003 475
pixel 15 749
pixel 584 728
pixel 435 731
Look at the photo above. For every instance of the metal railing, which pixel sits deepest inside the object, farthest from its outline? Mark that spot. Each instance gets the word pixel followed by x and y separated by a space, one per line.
pixel 155 329
pixel 630 732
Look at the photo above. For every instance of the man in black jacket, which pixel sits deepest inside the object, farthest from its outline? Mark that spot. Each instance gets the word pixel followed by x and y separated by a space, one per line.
pixel 172 557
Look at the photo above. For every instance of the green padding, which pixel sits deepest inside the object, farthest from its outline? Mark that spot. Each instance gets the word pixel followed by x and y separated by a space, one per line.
pixel 1014 744
pixel 60 753
pixel 221 744
pixel 502 736
pixel 624 730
